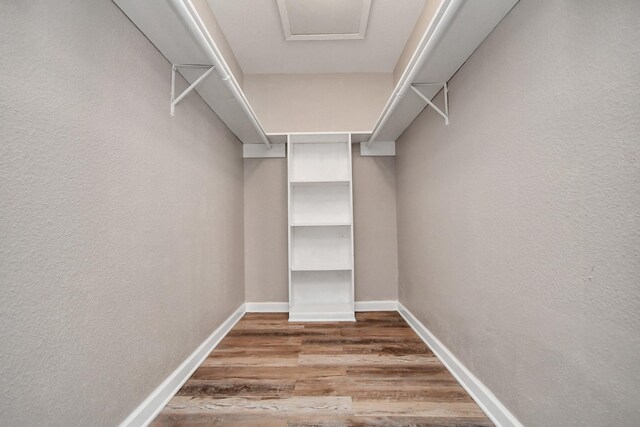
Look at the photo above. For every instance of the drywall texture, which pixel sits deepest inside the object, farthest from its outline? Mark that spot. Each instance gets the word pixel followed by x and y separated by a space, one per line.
pixel 318 102
pixel 519 224
pixel 121 227
pixel 374 227
pixel 265 215
pixel 265 226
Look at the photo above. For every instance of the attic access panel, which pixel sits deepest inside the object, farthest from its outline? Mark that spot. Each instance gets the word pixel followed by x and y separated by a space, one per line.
pixel 324 19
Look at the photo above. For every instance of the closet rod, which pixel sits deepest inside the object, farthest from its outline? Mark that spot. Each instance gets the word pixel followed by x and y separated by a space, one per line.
pixel 187 13
pixel 430 40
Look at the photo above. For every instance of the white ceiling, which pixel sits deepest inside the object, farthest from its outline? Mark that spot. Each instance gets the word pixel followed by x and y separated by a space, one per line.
pixel 254 31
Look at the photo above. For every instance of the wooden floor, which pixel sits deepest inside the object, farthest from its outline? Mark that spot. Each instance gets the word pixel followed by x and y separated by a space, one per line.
pixel 269 372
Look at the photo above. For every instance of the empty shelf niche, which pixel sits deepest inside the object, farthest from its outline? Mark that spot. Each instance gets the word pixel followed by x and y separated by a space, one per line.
pixel 321 295
pixel 321 248
pixel 319 158
pixel 320 204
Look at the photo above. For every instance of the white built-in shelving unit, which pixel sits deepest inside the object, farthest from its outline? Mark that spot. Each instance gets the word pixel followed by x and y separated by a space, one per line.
pixel 320 227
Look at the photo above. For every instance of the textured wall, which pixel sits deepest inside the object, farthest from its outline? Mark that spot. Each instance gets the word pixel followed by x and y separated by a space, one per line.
pixel 265 224
pixel 375 232
pixel 121 227
pixel 519 224
pixel 318 102
pixel 265 213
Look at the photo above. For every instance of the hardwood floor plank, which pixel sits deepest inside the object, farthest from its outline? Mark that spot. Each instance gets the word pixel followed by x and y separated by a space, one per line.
pixel 277 332
pixel 252 342
pixel 256 360
pixel 400 374
pixel 447 392
pixel 366 360
pixel 268 373
pixel 375 331
pixel 387 348
pixel 298 405
pixel 357 340
pixel 360 421
pixel 416 408
pixel 321 349
pixel 265 350
pixel 247 388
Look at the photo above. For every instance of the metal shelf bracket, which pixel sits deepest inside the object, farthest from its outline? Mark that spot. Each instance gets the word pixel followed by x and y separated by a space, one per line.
pixel 445 114
pixel 174 68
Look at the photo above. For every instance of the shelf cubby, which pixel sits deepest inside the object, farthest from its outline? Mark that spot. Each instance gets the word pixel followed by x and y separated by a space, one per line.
pixel 326 203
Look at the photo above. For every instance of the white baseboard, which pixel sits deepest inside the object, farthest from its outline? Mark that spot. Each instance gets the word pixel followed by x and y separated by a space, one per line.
pixel 322 317
pixel 152 405
pixel 283 307
pixel 376 305
pixel 267 307
pixel 487 401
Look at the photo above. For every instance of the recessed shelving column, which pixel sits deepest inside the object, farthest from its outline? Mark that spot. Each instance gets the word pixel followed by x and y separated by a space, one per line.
pixel 320 228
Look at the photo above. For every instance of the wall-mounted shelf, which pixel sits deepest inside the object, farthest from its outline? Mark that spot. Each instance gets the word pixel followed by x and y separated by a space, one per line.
pixel 457 29
pixel 177 31
pixel 320 224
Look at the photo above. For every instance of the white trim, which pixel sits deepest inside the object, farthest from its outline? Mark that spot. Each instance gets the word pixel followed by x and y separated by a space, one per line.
pixel 356 136
pixel 381 148
pixel 322 317
pixel 362 28
pixel 153 404
pixel 487 401
pixel 261 151
pixel 317 133
pixel 267 307
pixel 283 307
pixel 376 305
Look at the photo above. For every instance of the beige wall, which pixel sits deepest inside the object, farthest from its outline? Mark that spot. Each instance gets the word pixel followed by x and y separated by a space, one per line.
pixel 375 232
pixel 121 247
pixel 265 215
pixel 318 102
pixel 427 14
pixel 519 244
pixel 265 223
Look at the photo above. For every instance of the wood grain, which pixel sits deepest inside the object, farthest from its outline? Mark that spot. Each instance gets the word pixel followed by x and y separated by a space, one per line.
pixel 269 372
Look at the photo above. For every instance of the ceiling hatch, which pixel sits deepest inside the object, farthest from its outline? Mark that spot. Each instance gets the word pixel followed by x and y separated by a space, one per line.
pixel 324 19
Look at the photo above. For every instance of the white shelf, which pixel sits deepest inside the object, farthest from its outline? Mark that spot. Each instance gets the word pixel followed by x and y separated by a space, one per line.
pixel 320 267
pixel 320 224
pixel 319 182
